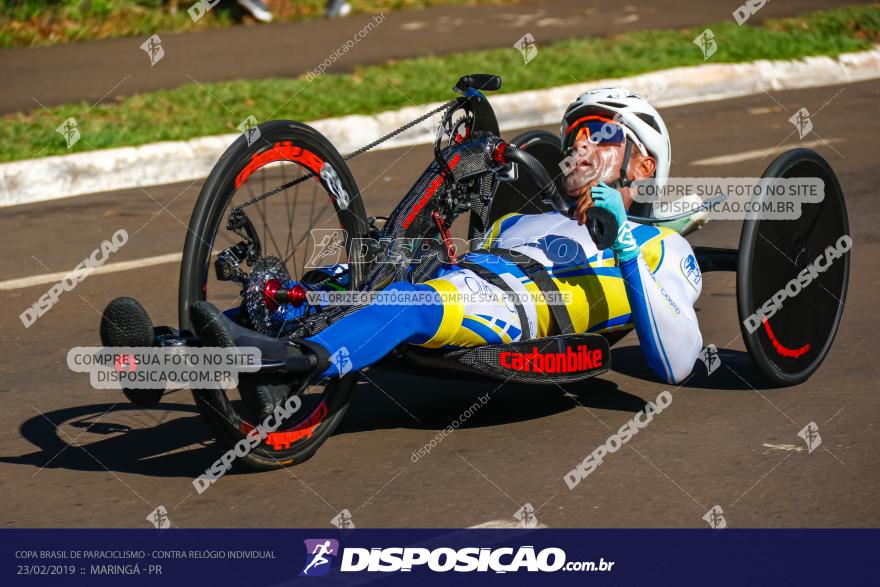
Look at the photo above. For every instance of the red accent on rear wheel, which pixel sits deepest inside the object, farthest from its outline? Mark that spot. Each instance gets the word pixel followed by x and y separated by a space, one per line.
pixel 782 350
pixel 282 440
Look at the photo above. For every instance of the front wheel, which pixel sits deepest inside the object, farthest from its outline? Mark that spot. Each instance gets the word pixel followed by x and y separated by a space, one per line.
pixel 312 223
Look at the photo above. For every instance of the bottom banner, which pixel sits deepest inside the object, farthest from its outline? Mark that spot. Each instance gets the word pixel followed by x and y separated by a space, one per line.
pixel 358 556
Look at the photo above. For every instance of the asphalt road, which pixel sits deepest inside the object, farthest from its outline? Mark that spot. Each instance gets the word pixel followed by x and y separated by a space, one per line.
pixel 106 70
pixel 71 456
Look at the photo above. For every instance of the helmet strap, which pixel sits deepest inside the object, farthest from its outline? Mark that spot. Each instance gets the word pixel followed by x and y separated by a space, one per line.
pixel 623 181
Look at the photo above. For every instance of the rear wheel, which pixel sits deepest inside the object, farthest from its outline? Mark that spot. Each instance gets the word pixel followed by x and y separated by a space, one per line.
pixel 805 263
pixel 311 223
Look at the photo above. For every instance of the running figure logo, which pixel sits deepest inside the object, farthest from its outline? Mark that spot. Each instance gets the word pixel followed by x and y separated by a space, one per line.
pixel 802 122
pixel 69 129
pixel 249 129
pixel 526 516
pixel 320 553
pixel 526 47
pixel 710 358
pixel 154 50
pixel 159 518
pixel 810 435
pixel 706 42
pixel 331 244
pixel 715 518
pixel 343 520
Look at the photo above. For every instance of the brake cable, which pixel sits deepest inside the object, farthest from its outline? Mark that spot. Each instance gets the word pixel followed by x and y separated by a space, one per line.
pixel 348 157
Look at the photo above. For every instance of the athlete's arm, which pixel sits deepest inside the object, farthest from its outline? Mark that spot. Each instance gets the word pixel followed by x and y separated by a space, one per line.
pixel 663 314
pixel 661 304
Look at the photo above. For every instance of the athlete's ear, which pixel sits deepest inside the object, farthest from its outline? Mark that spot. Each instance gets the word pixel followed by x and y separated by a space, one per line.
pixel 642 167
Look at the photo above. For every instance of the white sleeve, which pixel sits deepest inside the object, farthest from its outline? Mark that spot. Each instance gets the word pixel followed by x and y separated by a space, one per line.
pixel 662 309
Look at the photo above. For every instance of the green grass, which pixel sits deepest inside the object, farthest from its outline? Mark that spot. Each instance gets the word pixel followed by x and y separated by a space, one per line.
pixel 194 110
pixel 31 23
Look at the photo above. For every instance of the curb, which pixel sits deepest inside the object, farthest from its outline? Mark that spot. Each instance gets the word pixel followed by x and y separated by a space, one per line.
pixel 62 176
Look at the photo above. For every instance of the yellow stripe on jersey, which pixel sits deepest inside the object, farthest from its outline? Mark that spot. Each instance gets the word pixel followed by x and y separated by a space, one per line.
pixel 503 335
pixel 594 299
pixel 492 235
pixel 652 249
pixel 541 308
pixel 453 314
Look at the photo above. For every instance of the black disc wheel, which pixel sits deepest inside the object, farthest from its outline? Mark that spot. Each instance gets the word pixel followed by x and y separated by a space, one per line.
pixel 792 274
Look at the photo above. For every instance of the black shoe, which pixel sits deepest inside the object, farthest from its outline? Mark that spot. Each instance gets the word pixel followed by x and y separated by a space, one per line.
pixel 287 365
pixel 125 323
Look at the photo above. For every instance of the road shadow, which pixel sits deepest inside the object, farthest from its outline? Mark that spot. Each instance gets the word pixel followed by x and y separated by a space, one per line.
pixel 387 399
pixel 171 439
pixel 154 450
pixel 734 371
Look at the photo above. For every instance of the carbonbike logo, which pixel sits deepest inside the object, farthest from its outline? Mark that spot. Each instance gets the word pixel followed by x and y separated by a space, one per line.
pixel 568 362
pixel 98 257
pixel 617 440
pixel 244 446
pixel 462 560
pixel 794 287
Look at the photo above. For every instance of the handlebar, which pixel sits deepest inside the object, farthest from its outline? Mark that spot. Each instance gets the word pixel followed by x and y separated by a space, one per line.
pixel 601 224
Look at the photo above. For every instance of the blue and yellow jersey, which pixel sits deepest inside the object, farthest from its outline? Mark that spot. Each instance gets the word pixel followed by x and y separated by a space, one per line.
pixel 589 278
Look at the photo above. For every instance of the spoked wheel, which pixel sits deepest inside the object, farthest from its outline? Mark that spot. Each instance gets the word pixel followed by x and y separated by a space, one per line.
pixel 310 224
pixel 793 274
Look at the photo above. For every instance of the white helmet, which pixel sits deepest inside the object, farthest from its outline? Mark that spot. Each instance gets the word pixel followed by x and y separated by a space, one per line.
pixel 633 112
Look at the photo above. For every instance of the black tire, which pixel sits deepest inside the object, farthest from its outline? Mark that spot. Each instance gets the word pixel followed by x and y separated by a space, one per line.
pixel 277 140
pixel 772 253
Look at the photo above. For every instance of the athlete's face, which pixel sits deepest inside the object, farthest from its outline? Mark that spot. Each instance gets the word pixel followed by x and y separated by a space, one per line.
pixel 601 162
pixel 592 163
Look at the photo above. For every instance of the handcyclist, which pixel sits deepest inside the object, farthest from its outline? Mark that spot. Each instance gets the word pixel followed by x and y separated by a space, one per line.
pixel 648 279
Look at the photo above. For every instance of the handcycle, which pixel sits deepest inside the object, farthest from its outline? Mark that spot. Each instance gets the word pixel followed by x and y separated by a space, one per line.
pixel 262 281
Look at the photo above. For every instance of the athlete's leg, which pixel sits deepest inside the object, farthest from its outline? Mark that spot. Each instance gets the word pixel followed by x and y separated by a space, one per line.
pixel 456 309
pixel 369 334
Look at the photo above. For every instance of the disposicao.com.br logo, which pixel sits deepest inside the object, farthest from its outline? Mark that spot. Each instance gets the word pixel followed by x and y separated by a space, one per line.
pixel 441 560
pixel 320 554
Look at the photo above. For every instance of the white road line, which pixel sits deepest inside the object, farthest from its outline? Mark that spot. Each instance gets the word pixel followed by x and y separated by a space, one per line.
pixel 108 268
pixel 511 523
pixel 759 153
pixel 175 257
pixel 784 447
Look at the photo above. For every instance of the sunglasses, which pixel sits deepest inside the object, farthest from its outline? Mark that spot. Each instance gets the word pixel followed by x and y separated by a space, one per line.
pixel 599 131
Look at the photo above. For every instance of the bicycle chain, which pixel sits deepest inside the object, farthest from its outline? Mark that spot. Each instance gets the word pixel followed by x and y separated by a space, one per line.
pixel 351 155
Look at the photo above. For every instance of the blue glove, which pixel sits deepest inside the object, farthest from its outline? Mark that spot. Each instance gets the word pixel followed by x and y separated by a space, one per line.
pixel 625 246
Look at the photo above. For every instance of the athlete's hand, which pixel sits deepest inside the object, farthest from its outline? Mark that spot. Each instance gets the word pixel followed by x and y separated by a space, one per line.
pixel 606 197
